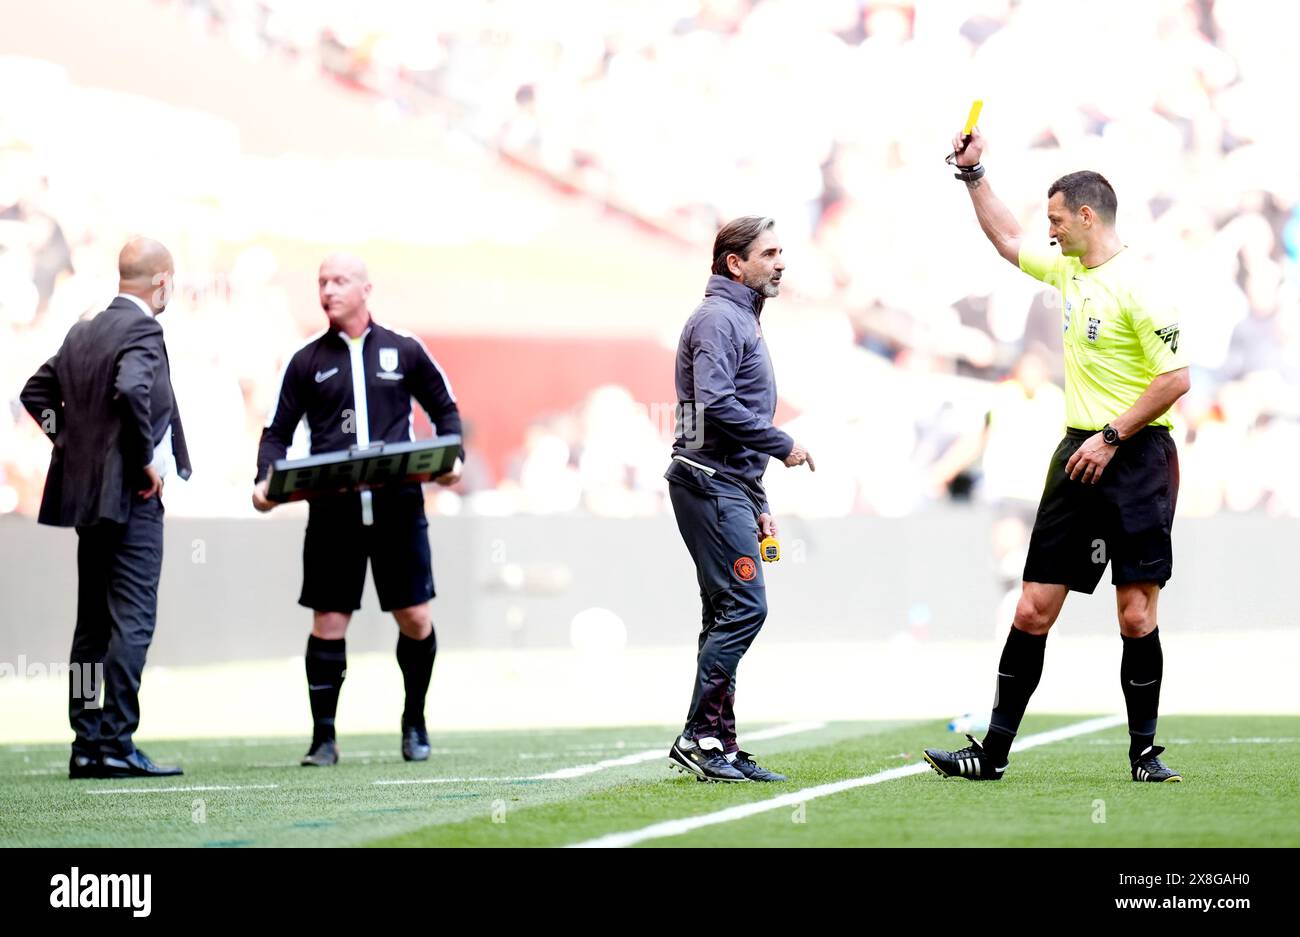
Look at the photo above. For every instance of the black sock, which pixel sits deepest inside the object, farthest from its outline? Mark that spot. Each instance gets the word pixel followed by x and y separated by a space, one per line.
pixel 327 665
pixel 416 660
pixel 1140 672
pixel 1019 670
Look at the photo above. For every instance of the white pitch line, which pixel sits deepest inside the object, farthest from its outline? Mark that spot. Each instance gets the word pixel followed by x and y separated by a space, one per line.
pixel 177 790
pixel 741 811
pixel 636 758
pixel 776 732
pixel 449 781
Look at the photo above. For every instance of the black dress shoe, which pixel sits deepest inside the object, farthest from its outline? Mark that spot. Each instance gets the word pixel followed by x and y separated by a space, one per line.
pixel 136 765
pixel 84 766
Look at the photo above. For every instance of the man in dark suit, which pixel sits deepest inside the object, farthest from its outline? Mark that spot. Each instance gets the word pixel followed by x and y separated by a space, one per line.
pixel 105 400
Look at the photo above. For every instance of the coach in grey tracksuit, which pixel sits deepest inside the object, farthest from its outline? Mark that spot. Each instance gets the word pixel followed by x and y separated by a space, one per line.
pixel 726 393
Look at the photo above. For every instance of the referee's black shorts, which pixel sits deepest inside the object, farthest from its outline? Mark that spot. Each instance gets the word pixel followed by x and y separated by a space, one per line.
pixel 338 545
pixel 1125 519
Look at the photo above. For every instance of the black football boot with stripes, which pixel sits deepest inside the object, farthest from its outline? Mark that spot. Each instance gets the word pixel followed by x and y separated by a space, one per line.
pixel 1148 767
pixel 972 763
pixel 746 765
pixel 704 759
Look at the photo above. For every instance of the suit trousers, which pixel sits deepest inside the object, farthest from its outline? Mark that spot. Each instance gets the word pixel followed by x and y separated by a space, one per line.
pixel 118 568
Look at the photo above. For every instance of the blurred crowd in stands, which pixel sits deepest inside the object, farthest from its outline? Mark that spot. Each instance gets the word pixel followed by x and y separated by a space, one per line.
pixel 920 366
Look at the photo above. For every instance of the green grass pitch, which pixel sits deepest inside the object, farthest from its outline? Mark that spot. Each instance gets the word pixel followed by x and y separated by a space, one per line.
pixel 1239 790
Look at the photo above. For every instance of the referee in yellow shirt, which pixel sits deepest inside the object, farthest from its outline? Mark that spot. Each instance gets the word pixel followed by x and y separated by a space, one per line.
pixel 1113 480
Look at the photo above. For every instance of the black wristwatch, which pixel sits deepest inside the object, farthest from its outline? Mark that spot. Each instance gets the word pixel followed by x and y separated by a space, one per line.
pixel 1110 435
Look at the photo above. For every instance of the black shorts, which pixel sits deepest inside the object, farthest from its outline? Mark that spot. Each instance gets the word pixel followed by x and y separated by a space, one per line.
pixel 1124 520
pixel 338 545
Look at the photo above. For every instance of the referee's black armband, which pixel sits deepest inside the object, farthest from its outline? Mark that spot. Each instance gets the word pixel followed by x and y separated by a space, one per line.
pixel 969 174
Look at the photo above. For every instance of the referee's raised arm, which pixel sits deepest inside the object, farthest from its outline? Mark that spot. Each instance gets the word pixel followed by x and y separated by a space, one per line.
pixel 997 222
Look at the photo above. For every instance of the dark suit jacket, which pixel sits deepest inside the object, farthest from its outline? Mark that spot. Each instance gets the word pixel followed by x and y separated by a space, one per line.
pixel 103 399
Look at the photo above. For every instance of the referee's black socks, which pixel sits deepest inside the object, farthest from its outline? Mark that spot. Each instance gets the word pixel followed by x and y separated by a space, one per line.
pixel 327 665
pixel 416 660
pixel 1019 670
pixel 1140 672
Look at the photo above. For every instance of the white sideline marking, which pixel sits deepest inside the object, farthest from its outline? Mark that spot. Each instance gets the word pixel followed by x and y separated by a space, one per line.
pixel 176 790
pixel 741 811
pixel 449 781
pixel 636 758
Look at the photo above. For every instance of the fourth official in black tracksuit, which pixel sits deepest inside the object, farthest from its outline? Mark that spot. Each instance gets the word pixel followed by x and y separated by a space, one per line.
pixel 358 392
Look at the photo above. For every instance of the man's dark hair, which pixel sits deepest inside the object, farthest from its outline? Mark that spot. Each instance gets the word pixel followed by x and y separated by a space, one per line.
pixel 737 237
pixel 1087 188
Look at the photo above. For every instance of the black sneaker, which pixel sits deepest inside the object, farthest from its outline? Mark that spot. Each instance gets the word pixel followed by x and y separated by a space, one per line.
pixel 1148 767
pixel 703 758
pixel 415 742
pixel 745 764
pixel 972 763
pixel 322 755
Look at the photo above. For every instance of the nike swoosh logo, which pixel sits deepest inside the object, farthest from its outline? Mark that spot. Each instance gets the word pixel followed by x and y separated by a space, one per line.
pixel 1148 683
pixel 1148 563
pixel 326 375
pixel 323 686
